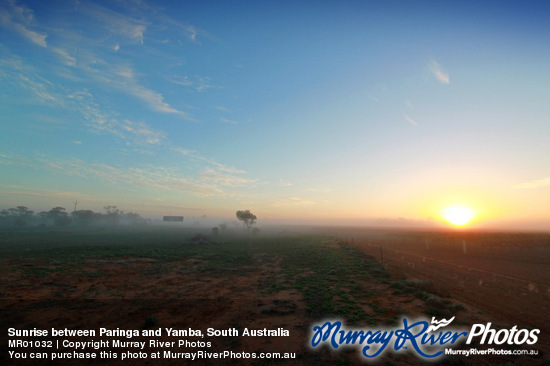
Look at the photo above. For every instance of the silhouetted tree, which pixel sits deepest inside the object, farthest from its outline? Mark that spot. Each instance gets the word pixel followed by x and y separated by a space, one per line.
pixel 19 216
pixel 83 217
pixel 59 216
pixel 133 218
pixel 112 215
pixel 247 217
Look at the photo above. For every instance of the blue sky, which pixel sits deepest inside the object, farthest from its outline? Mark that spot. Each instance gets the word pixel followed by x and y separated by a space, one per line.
pixel 342 112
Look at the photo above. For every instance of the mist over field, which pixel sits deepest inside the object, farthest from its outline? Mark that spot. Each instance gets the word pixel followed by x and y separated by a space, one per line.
pixel 269 165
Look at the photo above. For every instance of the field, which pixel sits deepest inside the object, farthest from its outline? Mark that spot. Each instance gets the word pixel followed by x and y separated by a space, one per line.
pixel 173 277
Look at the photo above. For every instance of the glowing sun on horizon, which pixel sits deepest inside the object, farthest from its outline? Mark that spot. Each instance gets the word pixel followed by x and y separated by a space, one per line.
pixel 458 215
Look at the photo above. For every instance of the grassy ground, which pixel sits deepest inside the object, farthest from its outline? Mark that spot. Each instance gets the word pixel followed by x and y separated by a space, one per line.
pixel 330 276
pixel 180 277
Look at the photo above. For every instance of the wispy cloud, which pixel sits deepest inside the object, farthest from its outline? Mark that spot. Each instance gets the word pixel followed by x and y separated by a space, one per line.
pixel 84 53
pixel 225 120
pixel 284 183
pixel 534 184
pixel 155 100
pixel 223 109
pixel 199 83
pixel 410 120
pixel 66 58
pixel 208 182
pixel 292 202
pixel 19 19
pixel 14 71
pixel 124 78
pixel 37 192
pixel 141 132
pixel 439 73
pixel 35 37
pixel 138 133
pixel 204 83
pixel 181 80
pixel 196 156
pixel 215 172
pixel 218 177
pixel 115 22
pixel 181 29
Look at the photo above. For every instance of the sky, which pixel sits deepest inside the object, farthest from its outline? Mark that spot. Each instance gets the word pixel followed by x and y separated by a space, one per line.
pixel 342 112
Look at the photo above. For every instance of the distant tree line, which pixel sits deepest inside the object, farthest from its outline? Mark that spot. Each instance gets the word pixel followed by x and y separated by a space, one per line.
pixel 22 217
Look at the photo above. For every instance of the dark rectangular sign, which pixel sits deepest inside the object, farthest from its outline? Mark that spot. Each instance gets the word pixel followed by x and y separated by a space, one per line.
pixel 173 218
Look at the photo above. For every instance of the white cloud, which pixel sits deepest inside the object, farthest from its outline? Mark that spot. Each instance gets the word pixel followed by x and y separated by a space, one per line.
pixel 181 80
pixel 410 120
pixel 292 202
pixel 141 133
pixel 65 57
pixel 204 83
pixel 155 100
pixel 211 175
pixel 35 37
pixel 17 190
pixel 137 133
pixel 215 172
pixel 188 31
pixel 123 77
pixel 438 72
pixel 199 83
pixel 14 71
pixel 534 184
pixel 192 32
pixel 284 183
pixel 225 120
pixel 195 155
pixel 116 22
pixel 19 19
pixel 209 182
pixel 110 28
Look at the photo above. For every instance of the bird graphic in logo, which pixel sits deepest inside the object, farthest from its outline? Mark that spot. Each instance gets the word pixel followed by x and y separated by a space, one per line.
pixel 439 324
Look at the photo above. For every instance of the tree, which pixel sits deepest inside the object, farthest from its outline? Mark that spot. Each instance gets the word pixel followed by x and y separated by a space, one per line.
pixel 133 218
pixel 19 216
pixel 112 215
pixel 247 217
pixel 83 217
pixel 59 216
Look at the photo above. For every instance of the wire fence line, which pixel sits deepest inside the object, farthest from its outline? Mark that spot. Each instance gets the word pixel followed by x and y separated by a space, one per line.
pixel 462 276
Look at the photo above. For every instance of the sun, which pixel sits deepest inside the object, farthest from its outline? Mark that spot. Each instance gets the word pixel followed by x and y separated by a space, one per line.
pixel 458 215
